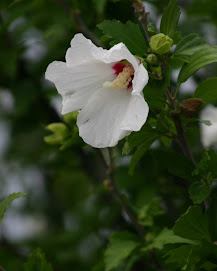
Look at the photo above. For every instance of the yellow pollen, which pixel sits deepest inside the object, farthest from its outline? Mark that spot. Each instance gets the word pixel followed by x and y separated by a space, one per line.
pixel 122 80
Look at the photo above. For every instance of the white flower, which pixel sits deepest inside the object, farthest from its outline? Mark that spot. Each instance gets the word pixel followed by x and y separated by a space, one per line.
pixel 105 86
pixel 209 133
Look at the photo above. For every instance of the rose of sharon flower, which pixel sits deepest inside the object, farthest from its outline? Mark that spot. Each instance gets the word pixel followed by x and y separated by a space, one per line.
pixel 105 86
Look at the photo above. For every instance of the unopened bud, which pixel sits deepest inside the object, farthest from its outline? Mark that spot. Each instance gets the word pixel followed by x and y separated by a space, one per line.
pixel 152 59
pixel 60 132
pixel 160 44
pixel 191 106
pixel 107 183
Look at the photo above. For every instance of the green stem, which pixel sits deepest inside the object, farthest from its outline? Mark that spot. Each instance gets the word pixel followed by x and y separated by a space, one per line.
pixel 177 90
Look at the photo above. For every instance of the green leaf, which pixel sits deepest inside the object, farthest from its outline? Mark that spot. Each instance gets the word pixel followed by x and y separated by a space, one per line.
pixel 198 60
pixel 189 45
pixel 37 262
pixel 206 122
pixel 166 237
pixel 6 202
pixel 149 211
pixel 179 165
pixel 183 257
pixel 122 244
pixel 152 30
pixel 207 90
pixel 211 213
pixel 207 166
pixel 209 266
pixel 193 224
pixel 126 148
pixel 140 152
pixel 137 138
pixel 128 33
pixel 170 19
pixel 199 192
pixel 100 5
pixel 154 97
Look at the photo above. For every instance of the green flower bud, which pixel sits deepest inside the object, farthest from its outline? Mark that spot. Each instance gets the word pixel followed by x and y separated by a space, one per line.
pixel 161 44
pixel 60 132
pixel 152 59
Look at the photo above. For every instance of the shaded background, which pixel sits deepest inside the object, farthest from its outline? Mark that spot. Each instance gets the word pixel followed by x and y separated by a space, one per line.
pixel 68 212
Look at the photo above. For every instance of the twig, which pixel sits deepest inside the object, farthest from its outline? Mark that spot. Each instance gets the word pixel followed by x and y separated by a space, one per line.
pixel 1 269
pixel 179 128
pixel 114 189
pixel 81 26
pixel 139 9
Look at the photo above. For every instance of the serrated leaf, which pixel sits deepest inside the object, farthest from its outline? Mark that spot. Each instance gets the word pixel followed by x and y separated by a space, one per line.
pixel 189 45
pixel 183 257
pixel 170 19
pixel 193 224
pixel 199 192
pixel 149 211
pixel 207 164
pixel 6 202
pixel 37 262
pixel 128 33
pixel 122 244
pixel 141 151
pixel 207 90
pixel 198 60
pixel 166 237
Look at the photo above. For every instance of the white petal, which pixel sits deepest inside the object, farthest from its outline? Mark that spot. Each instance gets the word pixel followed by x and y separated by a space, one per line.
pixel 77 84
pixel 140 80
pixel 138 109
pixel 136 114
pixel 82 51
pixel 119 52
pixel 99 121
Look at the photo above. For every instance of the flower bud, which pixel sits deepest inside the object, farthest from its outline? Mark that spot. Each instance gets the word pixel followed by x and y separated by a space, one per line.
pixel 190 107
pixel 60 132
pixel 160 44
pixel 152 59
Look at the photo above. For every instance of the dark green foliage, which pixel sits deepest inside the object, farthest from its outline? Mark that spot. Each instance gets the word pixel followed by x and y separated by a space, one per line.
pixel 37 262
pixel 170 19
pixel 198 60
pixel 6 202
pixel 122 244
pixel 68 212
pixel 207 90
pixel 128 33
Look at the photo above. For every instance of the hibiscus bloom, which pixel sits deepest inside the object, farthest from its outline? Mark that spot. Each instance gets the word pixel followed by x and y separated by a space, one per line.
pixel 105 86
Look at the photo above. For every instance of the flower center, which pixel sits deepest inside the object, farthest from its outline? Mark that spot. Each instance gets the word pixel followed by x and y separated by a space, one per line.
pixel 124 72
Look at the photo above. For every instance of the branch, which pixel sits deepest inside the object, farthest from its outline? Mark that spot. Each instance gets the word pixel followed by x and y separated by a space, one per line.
pixel 139 9
pixel 182 140
pixel 114 189
pixel 81 26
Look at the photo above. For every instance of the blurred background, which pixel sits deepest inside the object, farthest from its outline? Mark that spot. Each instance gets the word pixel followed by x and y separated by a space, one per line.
pixel 68 212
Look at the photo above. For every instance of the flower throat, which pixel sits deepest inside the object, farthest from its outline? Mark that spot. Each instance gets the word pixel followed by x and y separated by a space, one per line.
pixel 124 72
